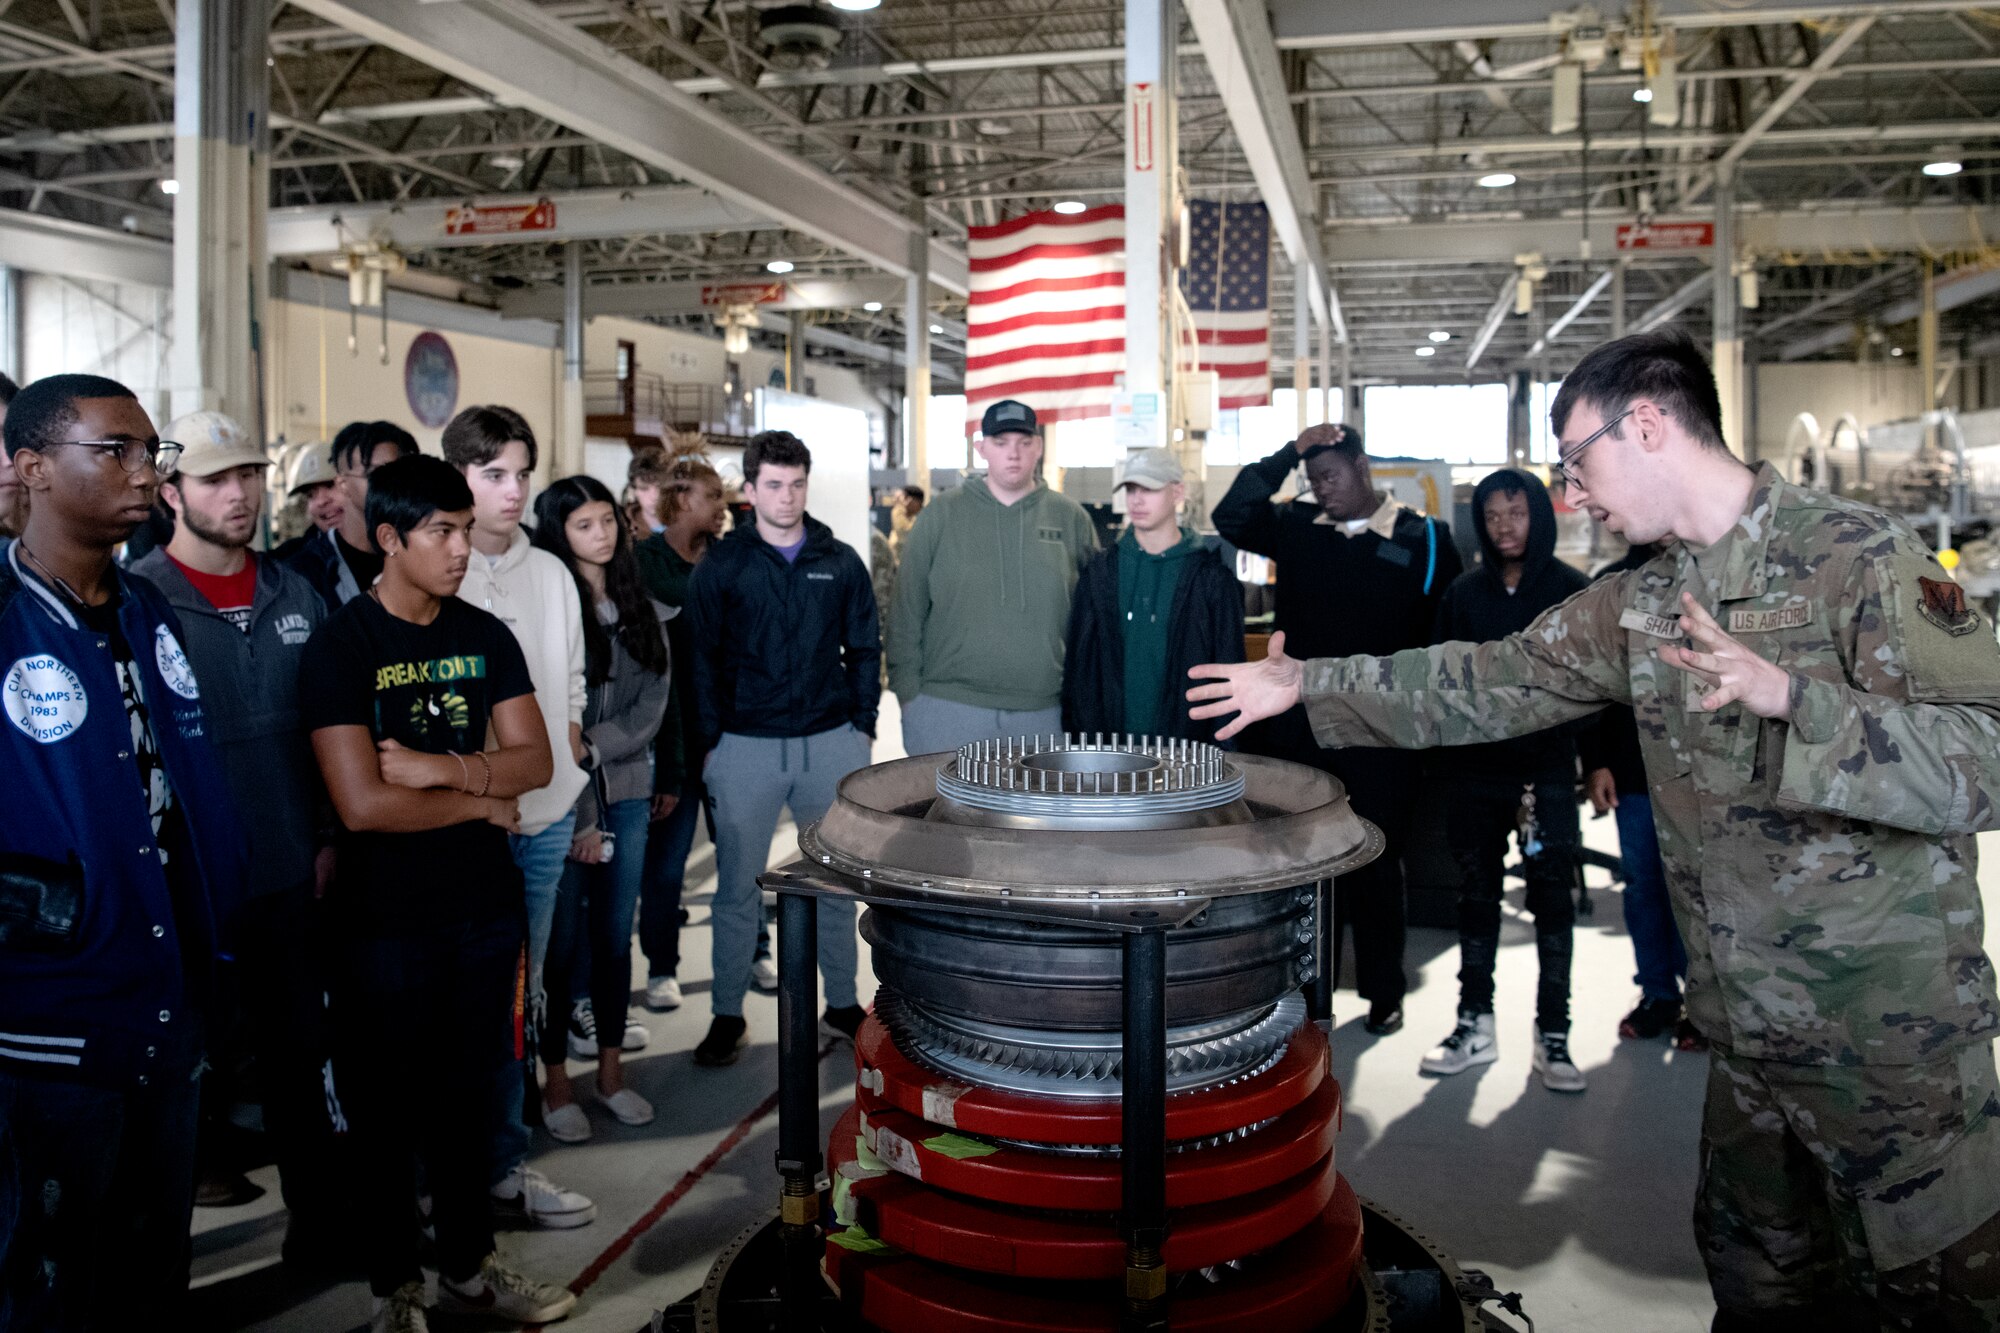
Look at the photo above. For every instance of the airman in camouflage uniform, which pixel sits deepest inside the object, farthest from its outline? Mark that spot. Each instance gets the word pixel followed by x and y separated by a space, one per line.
pixel 1819 851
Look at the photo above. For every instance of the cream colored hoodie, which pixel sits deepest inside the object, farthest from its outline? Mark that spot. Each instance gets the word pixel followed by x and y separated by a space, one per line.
pixel 531 591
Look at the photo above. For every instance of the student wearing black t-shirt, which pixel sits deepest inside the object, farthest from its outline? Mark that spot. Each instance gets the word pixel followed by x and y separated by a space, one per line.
pixel 399 689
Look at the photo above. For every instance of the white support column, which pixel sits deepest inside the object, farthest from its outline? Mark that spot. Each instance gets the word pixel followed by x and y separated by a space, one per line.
pixel 571 430
pixel 1728 340
pixel 1326 370
pixel 1149 201
pixel 10 325
pixel 1302 277
pixel 222 163
pixel 795 352
pixel 917 354
pixel 1618 299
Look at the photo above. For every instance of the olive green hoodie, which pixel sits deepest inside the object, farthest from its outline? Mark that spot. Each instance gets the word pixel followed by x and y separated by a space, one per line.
pixel 982 598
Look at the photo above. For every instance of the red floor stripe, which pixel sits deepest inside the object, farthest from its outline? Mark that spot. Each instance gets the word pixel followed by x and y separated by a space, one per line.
pixel 616 1250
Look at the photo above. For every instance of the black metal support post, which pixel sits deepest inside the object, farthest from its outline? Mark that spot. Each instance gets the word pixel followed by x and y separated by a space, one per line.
pixel 1326 955
pixel 799 1160
pixel 1143 1153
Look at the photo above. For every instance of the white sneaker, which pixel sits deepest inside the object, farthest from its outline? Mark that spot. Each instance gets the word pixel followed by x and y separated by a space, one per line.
pixel 628 1106
pixel 663 994
pixel 636 1035
pixel 505 1294
pixel 1552 1061
pixel 529 1195
pixel 764 974
pixel 1471 1043
pixel 582 1031
pixel 401 1312
pixel 566 1124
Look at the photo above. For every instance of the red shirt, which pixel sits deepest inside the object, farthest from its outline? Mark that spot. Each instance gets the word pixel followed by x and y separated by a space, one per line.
pixel 230 594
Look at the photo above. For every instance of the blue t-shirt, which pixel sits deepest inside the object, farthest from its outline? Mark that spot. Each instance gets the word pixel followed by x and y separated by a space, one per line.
pixel 791 553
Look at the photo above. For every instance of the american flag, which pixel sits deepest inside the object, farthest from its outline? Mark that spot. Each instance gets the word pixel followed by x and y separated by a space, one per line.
pixel 1227 283
pixel 1046 320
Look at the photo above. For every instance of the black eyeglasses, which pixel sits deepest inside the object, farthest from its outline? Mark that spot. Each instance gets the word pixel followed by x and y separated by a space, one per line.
pixel 1566 468
pixel 131 452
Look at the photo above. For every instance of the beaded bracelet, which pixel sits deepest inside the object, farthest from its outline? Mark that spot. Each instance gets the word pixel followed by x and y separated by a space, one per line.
pixel 486 784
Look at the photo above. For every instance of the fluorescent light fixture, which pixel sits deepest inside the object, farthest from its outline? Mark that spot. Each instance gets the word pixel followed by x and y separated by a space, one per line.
pixel 1427 350
pixel 1642 94
pixel 1943 167
pixel 871 306
pixel 937 328
pixel 1070 206
pixel 855 6
pixel 172 186
pixel 779 266
pixel 1440 336
pixel 1895 351
pixel 1497 180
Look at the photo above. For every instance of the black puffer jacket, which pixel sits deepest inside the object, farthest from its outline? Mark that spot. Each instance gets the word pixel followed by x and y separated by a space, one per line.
pixel 1478 608
pixel 1205 625
pixel 783 649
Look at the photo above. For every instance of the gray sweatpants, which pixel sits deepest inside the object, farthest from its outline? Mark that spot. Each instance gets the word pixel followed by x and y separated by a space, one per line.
pixel 932 725
pixel 751 779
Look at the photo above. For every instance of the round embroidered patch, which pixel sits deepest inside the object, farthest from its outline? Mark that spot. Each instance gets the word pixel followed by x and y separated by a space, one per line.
pixel 173 664
pixel 44 698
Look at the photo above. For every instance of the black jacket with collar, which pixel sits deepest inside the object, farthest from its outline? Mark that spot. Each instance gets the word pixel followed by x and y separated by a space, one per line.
pixel 783 648
pixel 1205 625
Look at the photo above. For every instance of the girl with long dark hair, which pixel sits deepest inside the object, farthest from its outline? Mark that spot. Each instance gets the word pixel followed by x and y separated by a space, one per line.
pixel 626 672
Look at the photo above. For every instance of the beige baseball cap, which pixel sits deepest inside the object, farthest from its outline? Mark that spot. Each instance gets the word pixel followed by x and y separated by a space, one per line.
pixel 311 469
pixel 1150 469
pixel 211 443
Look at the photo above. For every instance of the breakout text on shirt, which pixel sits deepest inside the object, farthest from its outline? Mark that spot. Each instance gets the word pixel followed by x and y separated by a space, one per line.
pixel 465 666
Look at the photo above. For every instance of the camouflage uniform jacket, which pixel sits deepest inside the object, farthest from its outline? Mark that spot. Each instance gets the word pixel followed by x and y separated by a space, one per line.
pixel 1822 868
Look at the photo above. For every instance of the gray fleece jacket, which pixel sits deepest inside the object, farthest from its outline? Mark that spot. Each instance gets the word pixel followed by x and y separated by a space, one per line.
pixel 620 719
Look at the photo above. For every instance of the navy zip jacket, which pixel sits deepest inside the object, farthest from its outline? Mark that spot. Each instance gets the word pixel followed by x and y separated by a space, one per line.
pixel 115 1006
pixel 783 648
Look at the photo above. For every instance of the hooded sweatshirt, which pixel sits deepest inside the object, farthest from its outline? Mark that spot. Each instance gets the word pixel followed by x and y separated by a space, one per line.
pixel 1478 607
pixel 535 597
pixel 982 598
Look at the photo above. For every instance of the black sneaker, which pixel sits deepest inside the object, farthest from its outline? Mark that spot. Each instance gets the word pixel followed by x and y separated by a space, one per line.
pixel 582 1031
pixel 1649 1019
pixel 1384 1017
pixel 1687 1037
pixel 727 1036
pixel 841 1024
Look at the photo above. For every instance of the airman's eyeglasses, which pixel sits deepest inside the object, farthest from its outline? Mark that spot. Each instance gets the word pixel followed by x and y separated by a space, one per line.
pixel 1566 469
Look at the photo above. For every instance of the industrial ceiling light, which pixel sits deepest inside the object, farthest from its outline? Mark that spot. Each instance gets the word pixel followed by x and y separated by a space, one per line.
pixel 871 306
pixel 1642 94
pixel 993 127
pixel 1895 351
pixel 1945 164
pixel 937 328
pixel 1440 336
pixel 1427 351
pixel 172 186
pixel 1070 207
pixel 855 6
pixel 779 266
pixel 1497 180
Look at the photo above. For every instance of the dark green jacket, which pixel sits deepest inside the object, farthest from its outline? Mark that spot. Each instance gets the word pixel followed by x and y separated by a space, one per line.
pixel 677 755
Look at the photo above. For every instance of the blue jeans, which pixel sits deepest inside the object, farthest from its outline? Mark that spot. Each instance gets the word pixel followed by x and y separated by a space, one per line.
pixel 590 943
pixel 752 779
pixel 1649 913
pixel 541 857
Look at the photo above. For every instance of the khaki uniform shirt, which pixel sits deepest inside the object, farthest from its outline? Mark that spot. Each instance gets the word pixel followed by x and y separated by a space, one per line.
pixel 1822 868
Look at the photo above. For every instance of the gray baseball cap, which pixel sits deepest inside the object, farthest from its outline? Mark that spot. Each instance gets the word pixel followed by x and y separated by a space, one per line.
pixel 1151 469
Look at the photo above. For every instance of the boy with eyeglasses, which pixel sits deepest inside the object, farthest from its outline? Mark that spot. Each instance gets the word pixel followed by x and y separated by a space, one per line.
pixel 342 562
pixel 120 860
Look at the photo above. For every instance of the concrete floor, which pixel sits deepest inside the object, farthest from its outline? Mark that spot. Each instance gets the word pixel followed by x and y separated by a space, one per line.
pixel 1580 1203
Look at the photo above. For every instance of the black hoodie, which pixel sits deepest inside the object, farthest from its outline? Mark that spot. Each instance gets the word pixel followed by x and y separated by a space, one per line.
pixel 1478 607
pixel 783 648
